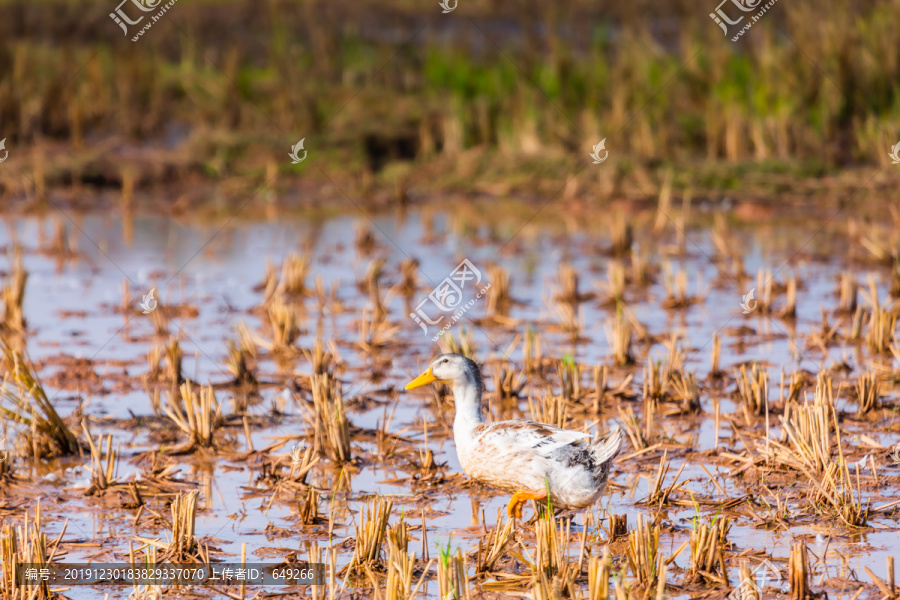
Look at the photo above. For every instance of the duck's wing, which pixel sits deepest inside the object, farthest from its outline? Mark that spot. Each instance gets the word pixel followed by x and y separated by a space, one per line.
pixel 516 455
pixel 520 454
pixel 526 455
pixel 538 438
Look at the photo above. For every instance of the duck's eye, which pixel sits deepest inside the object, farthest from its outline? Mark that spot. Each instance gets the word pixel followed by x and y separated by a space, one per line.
pixel 446 360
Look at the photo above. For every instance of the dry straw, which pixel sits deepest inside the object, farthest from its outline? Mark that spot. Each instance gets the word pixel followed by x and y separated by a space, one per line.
pixel 753 391
pixel 798 572
pixel 499 299
pixel 183 545
pixel 331 426
pixel 370 534
pixel 26 543
pixel 294 271
pixel 492 546
pixel 642 553
pixel 708 543
pixel 508 380
pixel 882 322
pixel 452 575
pixel 461 343
pixel 198 416
pixel 598 576
pixel 808 430
pixel 12 294
pixel 284 322
pixel 49 435
pixel 549 409
pixel 867 392
pixel 147 590
pixel 239 360
pixel 375 331
pixel 102 472
pixel 400 565
pixel 619 335
pixel 174 357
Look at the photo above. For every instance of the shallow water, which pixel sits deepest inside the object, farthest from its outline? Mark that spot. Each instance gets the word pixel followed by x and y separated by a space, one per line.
pixel 72 310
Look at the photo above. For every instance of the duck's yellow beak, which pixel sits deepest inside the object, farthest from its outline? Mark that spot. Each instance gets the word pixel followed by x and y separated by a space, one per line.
pixel 423 379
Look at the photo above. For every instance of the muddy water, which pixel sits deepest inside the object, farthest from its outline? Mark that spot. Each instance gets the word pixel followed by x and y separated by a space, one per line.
pixel 72 308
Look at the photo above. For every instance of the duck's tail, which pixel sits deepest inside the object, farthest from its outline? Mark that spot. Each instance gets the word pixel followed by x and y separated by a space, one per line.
pixel 605 449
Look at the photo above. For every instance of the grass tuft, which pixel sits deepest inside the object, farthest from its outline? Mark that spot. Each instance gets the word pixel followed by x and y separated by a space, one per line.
pixel 48 434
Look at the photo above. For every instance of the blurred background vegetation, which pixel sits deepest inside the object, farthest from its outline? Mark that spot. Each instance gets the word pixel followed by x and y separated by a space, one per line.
pixel 494 98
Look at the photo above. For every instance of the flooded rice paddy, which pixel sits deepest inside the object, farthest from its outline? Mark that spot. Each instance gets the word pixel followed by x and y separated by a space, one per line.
pixel 636 320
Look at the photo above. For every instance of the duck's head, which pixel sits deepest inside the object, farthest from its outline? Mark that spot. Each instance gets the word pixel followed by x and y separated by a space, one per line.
pixel 453 369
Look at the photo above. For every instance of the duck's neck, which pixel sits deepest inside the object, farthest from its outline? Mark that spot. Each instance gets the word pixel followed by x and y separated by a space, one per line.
pixel 467 397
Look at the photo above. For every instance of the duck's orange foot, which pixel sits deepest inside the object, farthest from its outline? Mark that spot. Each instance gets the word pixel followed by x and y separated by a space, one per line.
pixel 519 499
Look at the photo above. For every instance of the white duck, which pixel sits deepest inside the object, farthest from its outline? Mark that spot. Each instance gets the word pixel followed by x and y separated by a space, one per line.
pixel 525 458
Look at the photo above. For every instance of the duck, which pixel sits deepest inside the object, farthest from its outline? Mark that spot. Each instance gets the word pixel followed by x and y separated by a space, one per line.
pixel 530 460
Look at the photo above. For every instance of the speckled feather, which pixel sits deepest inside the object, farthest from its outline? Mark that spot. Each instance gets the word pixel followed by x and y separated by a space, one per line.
pixel 528 456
